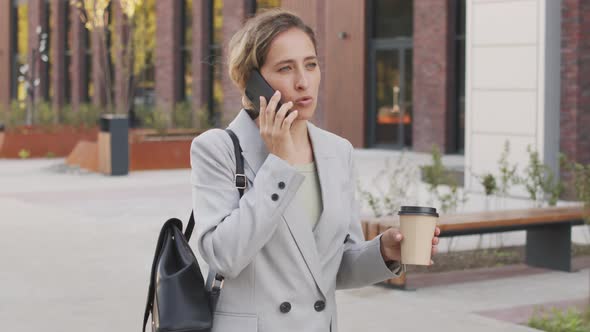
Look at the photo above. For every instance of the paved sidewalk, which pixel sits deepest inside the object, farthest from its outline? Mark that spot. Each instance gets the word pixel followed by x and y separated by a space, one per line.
pixel 76 251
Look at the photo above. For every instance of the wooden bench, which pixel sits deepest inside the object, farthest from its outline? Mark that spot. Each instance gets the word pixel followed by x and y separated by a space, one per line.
pixel 548 237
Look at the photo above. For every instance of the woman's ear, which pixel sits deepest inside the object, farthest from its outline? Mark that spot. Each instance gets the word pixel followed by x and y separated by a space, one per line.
pixel 249 107
pixel 247 103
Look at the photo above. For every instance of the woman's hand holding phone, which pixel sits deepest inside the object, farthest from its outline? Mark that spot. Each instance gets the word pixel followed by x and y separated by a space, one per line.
pixel 275 126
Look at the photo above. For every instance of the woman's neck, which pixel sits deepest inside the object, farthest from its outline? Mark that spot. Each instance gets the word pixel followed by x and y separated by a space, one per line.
pixel 299 134
pixel 302 142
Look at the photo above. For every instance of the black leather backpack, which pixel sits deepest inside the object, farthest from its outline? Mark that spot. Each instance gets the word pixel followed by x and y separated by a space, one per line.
pixel 178 298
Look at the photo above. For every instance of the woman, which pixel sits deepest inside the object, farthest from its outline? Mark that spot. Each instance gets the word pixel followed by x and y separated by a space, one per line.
pixel 295 236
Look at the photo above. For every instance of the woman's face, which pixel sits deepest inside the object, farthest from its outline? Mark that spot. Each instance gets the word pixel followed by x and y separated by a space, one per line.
pixel 291 66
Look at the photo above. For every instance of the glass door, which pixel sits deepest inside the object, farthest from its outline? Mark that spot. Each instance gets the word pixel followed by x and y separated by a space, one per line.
pixel 390 106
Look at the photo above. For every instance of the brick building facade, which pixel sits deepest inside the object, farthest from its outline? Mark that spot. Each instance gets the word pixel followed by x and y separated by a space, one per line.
pixel 393 71
pixel 575 80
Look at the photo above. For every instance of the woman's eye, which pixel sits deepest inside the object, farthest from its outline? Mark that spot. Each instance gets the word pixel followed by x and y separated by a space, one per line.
pixel 284 68
pixel 312 65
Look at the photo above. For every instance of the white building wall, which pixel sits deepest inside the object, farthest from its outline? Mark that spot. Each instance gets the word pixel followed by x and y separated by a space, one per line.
pixel 512 83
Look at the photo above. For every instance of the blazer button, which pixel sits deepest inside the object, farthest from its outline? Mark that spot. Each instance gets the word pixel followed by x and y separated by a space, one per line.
pixel 281 185
pixel 275 197
pixel 319 306
pixel 285 307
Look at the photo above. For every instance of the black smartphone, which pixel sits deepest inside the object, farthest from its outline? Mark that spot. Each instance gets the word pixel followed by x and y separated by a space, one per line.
pixel 257 86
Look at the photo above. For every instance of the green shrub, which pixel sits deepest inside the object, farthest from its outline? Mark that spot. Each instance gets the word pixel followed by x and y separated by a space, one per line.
pixel 185 116
pixel 3 114
pixel 87 115
pixel 182 115
pixel 508 172
pixel 153 117
pixel 24 154
pixel 204 120
pixel 540 181
pixel 581 181
pixel 161 120
pixel 144 115
pixel 16 114
pixel 390 188
pixel 436 175
pixel 488 181
pixel 44 114
pixel 561 321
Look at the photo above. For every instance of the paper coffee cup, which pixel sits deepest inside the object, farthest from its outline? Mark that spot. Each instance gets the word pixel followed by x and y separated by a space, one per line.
pixel 417 225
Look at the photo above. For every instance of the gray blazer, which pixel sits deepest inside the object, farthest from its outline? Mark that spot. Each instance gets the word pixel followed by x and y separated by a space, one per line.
pixel 280 274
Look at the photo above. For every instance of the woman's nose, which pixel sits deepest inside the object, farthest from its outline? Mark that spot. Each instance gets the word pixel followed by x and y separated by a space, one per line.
pixel 302 82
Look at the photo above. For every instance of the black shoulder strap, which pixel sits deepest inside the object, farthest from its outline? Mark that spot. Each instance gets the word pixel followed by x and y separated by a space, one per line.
pixel 240 179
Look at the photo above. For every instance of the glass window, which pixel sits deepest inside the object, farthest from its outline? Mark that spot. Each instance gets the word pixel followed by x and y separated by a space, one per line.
pixel 388 75
pixel 393 97
pixel 47 65
pixel 186 49
pixel 110 33
pixel 461 8
pixel 460 74
pixel 267 4
pixel 87 80
pixel 13 51
pixel 68 55
pixel 216 89
pixel 21 47
pixel 393 18
pixel 144 39
pixel 84 44
pixel 390 115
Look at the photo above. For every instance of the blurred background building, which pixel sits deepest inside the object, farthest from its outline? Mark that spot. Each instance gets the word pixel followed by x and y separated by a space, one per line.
pixel 401 74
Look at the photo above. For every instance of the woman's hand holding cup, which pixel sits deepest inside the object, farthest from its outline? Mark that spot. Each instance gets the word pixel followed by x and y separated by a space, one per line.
pixel 391 244
pixel 416 240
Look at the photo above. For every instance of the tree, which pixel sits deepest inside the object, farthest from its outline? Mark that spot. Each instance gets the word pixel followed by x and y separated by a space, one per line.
pixel 97 19
pixel 29 75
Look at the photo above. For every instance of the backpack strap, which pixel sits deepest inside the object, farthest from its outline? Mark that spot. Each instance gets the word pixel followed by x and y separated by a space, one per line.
pixel 215 280
pixel 240 180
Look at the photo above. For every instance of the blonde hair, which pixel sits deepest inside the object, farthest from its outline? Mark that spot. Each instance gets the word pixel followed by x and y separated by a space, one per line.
pixel 249 46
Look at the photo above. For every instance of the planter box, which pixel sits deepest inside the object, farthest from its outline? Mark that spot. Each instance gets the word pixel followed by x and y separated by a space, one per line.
pixel 151 153
pixel 84 155
pixel 168 154
pixel 41 142
pixel 149 150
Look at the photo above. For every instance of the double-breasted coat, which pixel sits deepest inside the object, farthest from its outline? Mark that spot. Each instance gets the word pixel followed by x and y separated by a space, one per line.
pixel 280 273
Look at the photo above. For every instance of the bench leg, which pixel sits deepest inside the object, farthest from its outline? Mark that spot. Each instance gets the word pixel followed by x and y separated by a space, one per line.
pixel 549 247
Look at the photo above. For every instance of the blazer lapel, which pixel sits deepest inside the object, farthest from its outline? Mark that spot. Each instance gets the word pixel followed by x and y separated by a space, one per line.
pixel 307 239
pixel 324 162
pixel 255 152
pixel 301 231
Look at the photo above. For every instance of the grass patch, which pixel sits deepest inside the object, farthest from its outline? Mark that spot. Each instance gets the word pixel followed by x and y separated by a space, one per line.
pixel 554 320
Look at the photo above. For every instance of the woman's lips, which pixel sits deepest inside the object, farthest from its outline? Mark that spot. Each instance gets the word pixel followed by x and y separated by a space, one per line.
pixel 303 102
